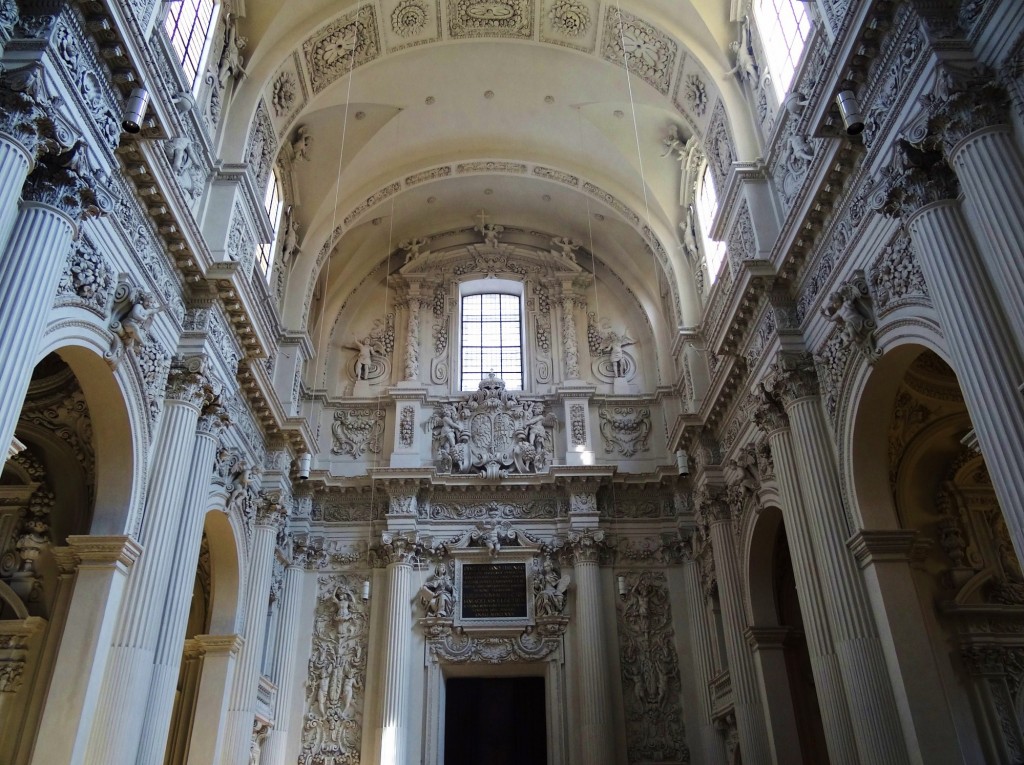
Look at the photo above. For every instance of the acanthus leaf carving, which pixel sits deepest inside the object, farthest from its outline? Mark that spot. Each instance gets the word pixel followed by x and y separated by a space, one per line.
pixel 357 431
pixel 625 429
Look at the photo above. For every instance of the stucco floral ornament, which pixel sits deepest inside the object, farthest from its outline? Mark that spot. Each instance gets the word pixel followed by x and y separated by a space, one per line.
pixel 570 17
pixel 409 18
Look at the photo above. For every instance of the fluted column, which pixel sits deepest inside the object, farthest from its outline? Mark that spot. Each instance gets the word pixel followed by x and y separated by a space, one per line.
pixel 270 516
pixel 122 704
pixel 750 717
pixel 284 664
pixel 15 162
pixel 981 345
pixel 596 742
pixel 103 566
pixel 703 658
pixel 209 726
pixel 876 723
pixel 178 599
pixel 399 551
pixel 828 682
pixel 55 197
pixel 973 123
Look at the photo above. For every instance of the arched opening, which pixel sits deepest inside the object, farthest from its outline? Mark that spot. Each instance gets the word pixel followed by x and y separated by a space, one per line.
pixel 950 601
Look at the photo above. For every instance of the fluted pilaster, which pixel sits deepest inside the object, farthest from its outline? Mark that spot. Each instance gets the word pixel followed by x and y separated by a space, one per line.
pixel 242 705
pixel 876 723
pixel 116 734
pixel 15 162
pixel 596 743
pixel 703 662
pixel 284 664
pixel 179 591
pixel 750 719
pixel 832 702
pixel 399 552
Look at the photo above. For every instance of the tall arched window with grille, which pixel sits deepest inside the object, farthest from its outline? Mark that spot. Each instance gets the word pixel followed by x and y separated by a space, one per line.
pixel 190 25
pixel 707 207
pixel 784 27
pixel 491 332
pixel 273 202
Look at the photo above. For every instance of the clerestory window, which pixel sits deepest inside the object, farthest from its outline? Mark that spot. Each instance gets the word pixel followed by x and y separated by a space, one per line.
pixel 273 202
pixel 784 27
pixel 189 24
pixel 491 337
pixel 707 207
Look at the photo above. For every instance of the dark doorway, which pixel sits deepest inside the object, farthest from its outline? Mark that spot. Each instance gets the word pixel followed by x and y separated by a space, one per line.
pixel 495 721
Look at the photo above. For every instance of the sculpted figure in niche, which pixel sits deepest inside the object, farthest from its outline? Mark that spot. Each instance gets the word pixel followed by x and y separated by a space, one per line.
pixel 364 362
pixel 230 67
pixel 412 248
pixel 437 596
pixel 567 247
pixel 290 240
pixel 746 64
pixel 302 144
pixel 613 345
pixel 550 588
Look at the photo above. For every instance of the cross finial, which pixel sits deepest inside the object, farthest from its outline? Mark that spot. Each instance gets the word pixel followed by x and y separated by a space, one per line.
pixel 482 215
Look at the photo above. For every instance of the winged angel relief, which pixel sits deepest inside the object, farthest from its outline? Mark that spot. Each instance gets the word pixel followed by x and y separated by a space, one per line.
pixel 493 433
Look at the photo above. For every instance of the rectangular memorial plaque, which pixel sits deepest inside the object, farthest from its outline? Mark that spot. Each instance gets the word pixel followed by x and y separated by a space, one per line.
pixel 494 591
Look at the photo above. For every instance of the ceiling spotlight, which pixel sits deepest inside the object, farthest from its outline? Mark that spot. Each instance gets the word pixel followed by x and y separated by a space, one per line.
pixel 849 109
pixel 135 110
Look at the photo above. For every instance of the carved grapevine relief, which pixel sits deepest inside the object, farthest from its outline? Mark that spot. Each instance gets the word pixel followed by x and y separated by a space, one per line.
pixel 356 431
pixel 577 425
pixel 332 724
pixel 650 672
pixel 625 429
pixel 406 423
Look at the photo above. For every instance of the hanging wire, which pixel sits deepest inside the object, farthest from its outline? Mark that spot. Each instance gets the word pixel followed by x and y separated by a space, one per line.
pixel 378 411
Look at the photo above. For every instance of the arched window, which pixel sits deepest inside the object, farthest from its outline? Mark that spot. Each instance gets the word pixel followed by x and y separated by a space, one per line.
pixel 707 207
pixel 274 205
pixel 784 27
pixel 189 24
pixel 491 333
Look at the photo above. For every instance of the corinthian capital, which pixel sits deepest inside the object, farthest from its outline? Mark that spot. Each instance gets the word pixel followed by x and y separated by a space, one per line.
pixel 271 511
pixel 792 377
pixel 917 176
pixel 23 107
pixel 64 182
pixel 965 102
pixel 187 382
pixel 587 546
pixel 213 419
pixel 766 410
pixel 401 548
pixel 713 503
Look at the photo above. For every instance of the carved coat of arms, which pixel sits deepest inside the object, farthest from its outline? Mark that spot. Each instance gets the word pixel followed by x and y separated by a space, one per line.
pixel 493 433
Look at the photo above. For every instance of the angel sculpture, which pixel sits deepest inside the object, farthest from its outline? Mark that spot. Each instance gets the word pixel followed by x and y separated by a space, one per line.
pixel 302 143
pixel 290 240
pixel 364 361
pixel 549 591
pixel 131 318
pixel 567 247
pixel 412 248
pixel 674 144
pixel 746 64
pixel 613 344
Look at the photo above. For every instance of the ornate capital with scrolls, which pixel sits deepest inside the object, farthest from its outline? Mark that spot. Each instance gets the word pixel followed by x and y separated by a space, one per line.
pixel 403 549
pixel 65 183
pixel 766 410
pixel 792 377
pixel 271 511
pixel 965 102
pixel 24 105
pixel 587 546
pixel 213 419
pixel 187 382
pixel 918 176
pixel 713 503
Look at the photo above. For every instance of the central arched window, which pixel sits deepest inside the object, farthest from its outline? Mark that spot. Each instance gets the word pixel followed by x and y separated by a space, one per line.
pixel 491 332
pixel 189 24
